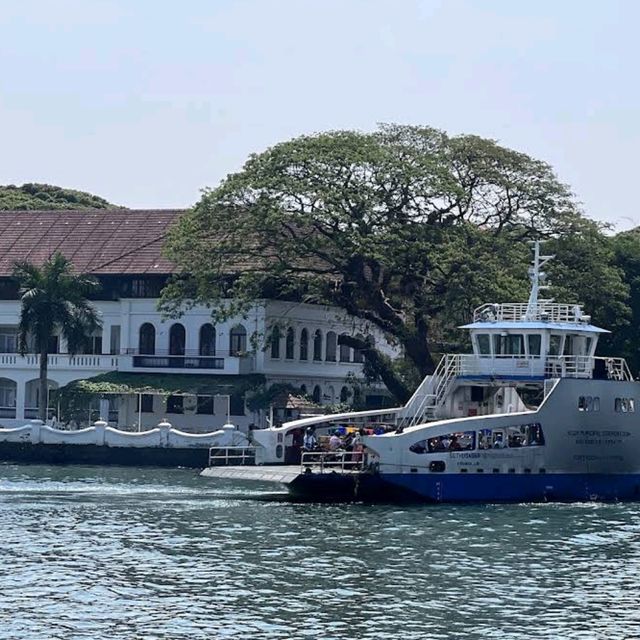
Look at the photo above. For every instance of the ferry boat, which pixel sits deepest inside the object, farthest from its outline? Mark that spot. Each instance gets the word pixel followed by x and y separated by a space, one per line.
pixel 531 415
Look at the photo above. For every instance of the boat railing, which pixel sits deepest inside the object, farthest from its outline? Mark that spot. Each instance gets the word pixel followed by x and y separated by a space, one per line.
pixel 571 366
pixel 225 456
pixel 332 461
pixel 522 311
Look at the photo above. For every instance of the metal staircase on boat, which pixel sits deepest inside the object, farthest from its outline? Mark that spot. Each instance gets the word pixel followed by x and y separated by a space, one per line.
pixel 431 393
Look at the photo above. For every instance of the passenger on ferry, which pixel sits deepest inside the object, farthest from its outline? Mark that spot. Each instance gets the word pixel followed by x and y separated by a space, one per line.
pixel 454 445
pixel 309 443
pixel 334 441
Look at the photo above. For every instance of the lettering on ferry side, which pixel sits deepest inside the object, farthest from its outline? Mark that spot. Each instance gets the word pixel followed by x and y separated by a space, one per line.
pixel 598 437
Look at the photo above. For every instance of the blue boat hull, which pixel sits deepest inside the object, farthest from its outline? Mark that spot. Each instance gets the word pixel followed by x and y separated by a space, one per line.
pixel 499 487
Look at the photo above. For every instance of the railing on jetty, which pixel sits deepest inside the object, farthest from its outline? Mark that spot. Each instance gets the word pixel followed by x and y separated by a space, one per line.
pixel 332 461
pixel 225 456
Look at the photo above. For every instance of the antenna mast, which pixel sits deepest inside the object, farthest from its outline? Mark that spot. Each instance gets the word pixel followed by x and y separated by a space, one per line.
pixel 538 278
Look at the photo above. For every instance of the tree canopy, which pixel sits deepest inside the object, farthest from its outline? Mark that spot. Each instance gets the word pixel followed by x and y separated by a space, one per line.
pixel 33 196
pixel 405 227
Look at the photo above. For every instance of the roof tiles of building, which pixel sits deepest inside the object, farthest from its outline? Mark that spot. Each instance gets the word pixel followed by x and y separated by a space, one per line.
pixel 97 241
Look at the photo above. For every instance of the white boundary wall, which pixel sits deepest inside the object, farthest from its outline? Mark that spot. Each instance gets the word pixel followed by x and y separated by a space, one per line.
pixel 164 436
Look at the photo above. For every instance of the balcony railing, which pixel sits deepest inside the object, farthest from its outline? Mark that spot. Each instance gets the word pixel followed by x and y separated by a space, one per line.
pixel 188 359
pixel 178 362
pixel 61 361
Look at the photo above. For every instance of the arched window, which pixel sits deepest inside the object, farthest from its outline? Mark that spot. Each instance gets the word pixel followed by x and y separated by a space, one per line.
pixel 344 394
pixel 177 340
pixel 345 351
pixel 207 340
pixel 303 389
pixel 317 394
pixel 7 398
pixel 147 343
pixel 358 356
pixel 331 346
pixel 275 342
pixel 304 345
pixel 290 344
pixel 331 395
pixel 317 345
pixel 238 340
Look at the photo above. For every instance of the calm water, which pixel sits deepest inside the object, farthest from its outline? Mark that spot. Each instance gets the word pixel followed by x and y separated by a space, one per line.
pixel 119 553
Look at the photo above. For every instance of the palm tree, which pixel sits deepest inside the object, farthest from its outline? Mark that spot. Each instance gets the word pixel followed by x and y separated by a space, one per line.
pixel 53 299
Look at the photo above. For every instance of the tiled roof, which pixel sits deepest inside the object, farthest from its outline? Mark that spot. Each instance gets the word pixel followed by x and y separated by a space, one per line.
pixel 103 241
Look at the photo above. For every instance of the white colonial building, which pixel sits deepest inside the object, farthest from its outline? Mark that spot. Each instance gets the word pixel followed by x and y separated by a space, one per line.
pixel 210 369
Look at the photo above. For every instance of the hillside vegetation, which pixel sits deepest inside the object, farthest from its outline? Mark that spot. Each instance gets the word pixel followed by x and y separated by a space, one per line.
pixel 32 196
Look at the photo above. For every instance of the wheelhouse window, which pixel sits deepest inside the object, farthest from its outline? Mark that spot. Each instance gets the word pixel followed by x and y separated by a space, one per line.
pixel 509 345
pixel 534 343
pixel 587 346
pixel 568 346
pixel 555 344
pixel 484 344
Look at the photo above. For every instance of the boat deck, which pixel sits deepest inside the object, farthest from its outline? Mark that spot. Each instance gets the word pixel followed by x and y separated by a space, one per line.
pixel 283 474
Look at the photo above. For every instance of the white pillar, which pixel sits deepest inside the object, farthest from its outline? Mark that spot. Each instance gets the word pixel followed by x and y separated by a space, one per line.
pixel 104 409
pixel 20 399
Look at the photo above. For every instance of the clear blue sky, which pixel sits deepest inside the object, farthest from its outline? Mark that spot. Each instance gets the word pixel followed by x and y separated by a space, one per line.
pixel 146 102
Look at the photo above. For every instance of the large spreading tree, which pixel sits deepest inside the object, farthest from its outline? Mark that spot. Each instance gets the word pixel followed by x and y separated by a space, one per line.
pixel 405 227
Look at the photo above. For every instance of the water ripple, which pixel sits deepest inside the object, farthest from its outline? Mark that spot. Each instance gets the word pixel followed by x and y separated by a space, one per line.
pixel 164 554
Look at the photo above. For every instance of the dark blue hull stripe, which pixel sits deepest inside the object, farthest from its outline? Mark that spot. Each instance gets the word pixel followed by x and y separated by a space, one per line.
pixel 500 487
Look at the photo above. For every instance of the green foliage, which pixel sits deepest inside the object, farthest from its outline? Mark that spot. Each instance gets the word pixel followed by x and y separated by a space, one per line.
pixel 625 340
pixel 406 228
pixel 33 196
pixel 263 397
pixel 54 299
